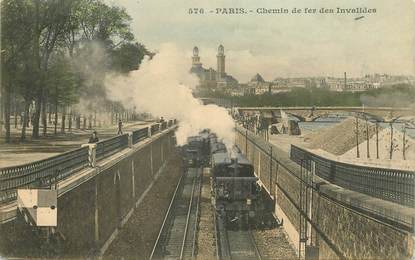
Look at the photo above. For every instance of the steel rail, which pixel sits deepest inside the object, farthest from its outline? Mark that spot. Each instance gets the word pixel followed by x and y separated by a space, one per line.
pixel 166 217
pixel 229 241
pixel 259 257
pixel 197 214
pixel 176 232
pixel 192 222
pixel 187 219
pixel 216 234
pixel 246 241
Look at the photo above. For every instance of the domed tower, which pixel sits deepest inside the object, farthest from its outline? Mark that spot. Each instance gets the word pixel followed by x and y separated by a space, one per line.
pixel 195 57
pixel 221 61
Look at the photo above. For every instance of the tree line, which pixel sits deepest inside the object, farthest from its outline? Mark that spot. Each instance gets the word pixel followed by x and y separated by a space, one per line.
pixel 399 95
pixel 55 53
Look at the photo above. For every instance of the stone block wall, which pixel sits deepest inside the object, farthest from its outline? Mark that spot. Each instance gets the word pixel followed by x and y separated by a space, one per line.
pixel 359 236
pixel 78 208
pixel 335 229
pixel 90 212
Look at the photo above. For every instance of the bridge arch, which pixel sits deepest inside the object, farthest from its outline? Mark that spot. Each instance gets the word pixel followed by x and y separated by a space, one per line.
pixel 300 118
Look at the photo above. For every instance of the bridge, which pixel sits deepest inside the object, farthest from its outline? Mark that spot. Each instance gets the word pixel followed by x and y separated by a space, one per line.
pixel 384 114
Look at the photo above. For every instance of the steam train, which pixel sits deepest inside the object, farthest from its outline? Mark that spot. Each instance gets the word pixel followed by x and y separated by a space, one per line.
pixel 196 151
pixel 235 192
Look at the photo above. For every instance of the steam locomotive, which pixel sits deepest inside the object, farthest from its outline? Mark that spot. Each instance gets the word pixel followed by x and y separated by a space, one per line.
pixel 196 151
pixel 235 193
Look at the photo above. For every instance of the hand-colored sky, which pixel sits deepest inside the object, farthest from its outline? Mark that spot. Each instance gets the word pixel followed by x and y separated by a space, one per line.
pixel 286 44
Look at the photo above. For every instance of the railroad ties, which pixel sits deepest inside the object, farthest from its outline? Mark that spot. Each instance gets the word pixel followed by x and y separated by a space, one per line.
pixel 177 236
pixel 235 244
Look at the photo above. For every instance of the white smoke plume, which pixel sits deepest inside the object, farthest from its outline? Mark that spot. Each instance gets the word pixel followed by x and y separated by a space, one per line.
pixel 89 61
pixel 163 87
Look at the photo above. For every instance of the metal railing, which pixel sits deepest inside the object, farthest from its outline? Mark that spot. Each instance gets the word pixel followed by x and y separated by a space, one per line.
pixel 46 172
pixel 139 135
pixel 155 128
pixel 110 146
pixel 291 164
pixel 388 184
pixel 40 173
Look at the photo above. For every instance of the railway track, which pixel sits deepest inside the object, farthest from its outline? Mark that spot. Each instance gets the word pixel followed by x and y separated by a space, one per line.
pixel 177 236
pixel 235 244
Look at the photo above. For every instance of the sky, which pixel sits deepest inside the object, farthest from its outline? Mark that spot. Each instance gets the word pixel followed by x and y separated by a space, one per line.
pixel 283 45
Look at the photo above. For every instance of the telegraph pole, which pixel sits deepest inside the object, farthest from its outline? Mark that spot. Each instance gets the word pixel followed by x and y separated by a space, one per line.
pixel 404 142
pixel 391 142
pixel 1 107
pixel 377 140
pixel 367 138
pixel 357 137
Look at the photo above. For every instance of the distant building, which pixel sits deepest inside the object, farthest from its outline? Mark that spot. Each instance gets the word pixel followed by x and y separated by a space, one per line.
pixel 333 84
pixel 258 86
pixel 211 79
pixel 357 85
pixel 297 82
pixel 364 83
pixel 237 91
pixel 218 80
pixel 384 80
pixel 257 79
pixel 348 84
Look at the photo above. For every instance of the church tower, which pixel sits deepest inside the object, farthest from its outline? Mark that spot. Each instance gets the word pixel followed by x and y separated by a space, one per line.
pixel 196 58
pixel 221 61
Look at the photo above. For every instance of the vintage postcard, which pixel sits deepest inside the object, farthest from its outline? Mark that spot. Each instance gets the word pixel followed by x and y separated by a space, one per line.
pixel 163 129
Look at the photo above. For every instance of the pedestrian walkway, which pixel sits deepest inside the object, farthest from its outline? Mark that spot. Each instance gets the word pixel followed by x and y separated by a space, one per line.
pixel 17 153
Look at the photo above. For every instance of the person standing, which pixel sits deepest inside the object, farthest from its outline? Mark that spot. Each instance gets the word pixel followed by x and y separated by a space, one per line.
pixel 93 138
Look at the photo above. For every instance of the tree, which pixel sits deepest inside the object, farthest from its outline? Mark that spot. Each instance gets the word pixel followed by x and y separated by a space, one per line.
pixel 104 41
pixel 128 56
pixel 107 24
pixel 61 85
pixel 16 39
pixel 49 30
pixel 42 38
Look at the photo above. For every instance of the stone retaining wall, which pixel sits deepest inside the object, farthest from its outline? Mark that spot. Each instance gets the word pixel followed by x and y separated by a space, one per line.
pixel 334 229
pixel 91 210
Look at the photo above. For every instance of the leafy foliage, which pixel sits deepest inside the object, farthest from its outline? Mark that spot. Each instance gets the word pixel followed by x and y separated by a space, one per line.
pixel 58 51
